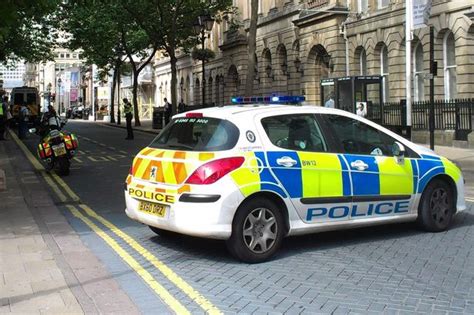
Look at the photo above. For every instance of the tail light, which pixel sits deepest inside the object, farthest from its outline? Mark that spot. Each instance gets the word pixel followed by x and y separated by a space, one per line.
pixel 212 171
pixel 130 171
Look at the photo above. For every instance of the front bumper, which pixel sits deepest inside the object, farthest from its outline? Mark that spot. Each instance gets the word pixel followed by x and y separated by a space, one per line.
pixel 460 202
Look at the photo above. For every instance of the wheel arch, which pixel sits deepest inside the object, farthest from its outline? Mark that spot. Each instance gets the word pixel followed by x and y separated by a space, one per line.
pixel 447 179
pixel 277 199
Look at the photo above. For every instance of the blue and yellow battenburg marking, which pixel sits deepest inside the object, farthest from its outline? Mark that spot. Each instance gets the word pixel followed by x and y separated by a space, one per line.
pixel 331 175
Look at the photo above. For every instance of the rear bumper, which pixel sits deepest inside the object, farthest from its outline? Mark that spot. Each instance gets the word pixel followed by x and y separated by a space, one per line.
pixel 203 219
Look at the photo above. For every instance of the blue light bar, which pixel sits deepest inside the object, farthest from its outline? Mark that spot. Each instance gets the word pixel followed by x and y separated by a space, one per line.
pixel 276 99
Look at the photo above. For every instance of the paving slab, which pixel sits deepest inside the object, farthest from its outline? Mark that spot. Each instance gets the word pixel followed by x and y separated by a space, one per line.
pixel 36 274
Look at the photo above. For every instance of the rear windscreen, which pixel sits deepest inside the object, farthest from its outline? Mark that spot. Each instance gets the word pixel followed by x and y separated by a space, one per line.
pixel 197 134
pixel 31 98
pixel 18 100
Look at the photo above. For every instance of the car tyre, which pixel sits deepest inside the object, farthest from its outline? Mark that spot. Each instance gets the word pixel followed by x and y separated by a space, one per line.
pixel 437 207
pixel 162 232
pixel 257 231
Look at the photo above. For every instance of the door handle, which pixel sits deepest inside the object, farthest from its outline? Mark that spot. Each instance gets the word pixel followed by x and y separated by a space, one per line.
pixel 286 161
pixel 359 165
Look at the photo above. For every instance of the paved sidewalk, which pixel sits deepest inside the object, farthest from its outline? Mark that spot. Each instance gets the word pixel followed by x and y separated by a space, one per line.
pixel 44 266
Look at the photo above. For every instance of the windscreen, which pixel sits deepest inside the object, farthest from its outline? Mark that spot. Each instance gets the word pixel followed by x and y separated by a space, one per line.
pixel 197 134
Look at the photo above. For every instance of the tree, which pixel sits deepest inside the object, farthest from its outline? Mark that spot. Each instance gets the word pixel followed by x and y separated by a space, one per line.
pixel 106 34
pixel 26 30
pixel 93 28
pixel 168 25
pixel 252 46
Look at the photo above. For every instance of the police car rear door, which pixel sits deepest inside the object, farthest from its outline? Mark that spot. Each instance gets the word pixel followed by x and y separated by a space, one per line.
pixel 298 157
pixel 382 185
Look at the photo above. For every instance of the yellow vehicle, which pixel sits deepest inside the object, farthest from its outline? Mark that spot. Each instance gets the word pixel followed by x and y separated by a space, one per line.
pixel 29 95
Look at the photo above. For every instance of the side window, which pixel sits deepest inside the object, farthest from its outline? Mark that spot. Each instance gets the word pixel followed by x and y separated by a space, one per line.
pixel 295 132
pixel 357 137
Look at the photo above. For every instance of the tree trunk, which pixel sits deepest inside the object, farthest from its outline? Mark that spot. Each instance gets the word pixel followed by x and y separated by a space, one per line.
pixel 112 96
pixel 174 80
pixel 252 43
pixel 135 97
pixel 119 78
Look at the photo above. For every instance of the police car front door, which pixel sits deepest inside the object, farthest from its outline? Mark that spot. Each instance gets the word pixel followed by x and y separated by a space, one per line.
pixel 314 179
pixel 382 185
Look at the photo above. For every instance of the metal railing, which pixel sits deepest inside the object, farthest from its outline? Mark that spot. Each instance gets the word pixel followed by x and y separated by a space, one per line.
pixel 456 114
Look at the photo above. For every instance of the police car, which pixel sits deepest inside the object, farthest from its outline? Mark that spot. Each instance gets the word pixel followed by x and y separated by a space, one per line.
pixel 253 174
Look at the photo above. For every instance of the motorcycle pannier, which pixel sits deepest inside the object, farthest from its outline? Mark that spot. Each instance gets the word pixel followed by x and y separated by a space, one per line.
pixel 44 150
pixel 71 141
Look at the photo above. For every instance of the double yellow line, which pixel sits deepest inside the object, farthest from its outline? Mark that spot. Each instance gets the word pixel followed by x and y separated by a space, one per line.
pixel 56 183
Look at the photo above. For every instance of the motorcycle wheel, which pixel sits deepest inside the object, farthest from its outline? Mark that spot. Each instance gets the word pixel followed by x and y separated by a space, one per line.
pixel 63 166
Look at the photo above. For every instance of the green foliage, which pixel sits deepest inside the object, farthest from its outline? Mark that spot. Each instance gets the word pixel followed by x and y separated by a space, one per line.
pixel 94 27
pixel 203 54
pixel 169 22
pixel 27 29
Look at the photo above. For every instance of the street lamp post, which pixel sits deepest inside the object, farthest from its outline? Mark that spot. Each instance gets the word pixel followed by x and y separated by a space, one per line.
pixel 59 94
pixel 203 24
pixel 49 93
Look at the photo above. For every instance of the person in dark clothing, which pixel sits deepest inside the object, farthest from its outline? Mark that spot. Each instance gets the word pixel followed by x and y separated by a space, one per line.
pixel 127 109
pixel 181 107
pixel 167 107
pixel 3 118
pixel 23 121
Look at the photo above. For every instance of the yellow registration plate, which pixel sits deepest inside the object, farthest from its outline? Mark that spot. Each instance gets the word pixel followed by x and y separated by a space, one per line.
pixel 152 208
pixel 59 149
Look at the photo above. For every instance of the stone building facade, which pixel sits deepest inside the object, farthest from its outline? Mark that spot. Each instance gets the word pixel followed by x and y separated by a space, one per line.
pixel 300 42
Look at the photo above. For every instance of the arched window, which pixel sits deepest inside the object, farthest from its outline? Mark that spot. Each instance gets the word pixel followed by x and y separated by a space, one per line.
pixel 384 72
pixel 363 62
pixel 418 76
pixel 449 58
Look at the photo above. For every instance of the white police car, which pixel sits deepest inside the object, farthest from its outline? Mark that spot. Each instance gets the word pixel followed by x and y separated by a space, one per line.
pixel 253 174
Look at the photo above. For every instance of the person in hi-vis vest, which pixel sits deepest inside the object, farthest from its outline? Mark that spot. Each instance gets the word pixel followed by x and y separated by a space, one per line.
pixel 127 109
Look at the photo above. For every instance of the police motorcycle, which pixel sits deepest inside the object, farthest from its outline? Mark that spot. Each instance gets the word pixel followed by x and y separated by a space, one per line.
pixel 56 147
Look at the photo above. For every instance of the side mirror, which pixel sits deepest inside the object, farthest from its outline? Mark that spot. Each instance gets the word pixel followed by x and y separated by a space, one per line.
pixel 398 151
pixel 32 130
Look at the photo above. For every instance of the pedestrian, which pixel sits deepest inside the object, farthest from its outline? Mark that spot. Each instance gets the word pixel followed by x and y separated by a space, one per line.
pixel 330 101
pixel 127 110
pixel 167 107
pixel 181 106
pixel 10 121
pixel 23 117
pixel 361 110
pixel 3 119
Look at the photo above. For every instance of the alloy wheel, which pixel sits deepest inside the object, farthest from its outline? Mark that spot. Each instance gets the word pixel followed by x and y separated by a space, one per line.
pixel 260 230
pixel 439 205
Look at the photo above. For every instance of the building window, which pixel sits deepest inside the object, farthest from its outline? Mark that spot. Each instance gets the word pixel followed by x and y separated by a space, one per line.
pixel 449 58
pixel 383 3
pixel 74 56
pixel 362 6
pixel 419 81
pixel 61 55
pixel 68 56
pixel 384 72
